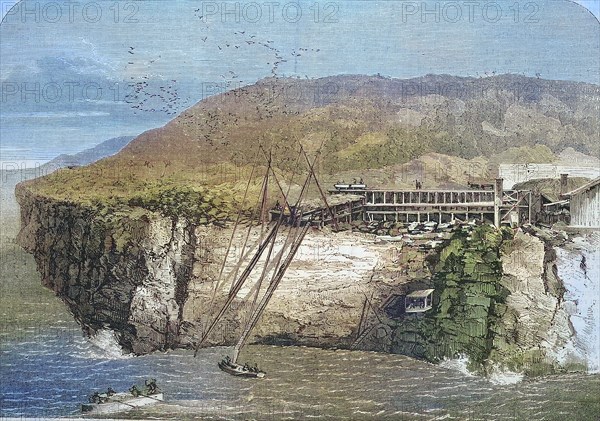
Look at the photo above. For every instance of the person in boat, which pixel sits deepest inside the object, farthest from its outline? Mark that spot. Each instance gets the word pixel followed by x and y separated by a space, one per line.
pixel 95 398
pixel 110 392
pixel 151 386
pixel 135 391
pixel 227 360
pixel 246 367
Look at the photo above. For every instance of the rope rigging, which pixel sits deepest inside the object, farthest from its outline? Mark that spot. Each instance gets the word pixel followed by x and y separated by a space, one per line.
pixel 292 242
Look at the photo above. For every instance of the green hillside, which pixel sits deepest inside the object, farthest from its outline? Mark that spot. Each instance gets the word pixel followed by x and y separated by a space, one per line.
pixel 361 125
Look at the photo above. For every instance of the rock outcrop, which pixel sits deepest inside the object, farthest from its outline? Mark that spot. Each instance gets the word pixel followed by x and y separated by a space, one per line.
pixel 123 272
pixel 154 281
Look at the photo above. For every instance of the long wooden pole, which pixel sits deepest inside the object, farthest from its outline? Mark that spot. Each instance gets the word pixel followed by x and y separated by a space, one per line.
pixel 239 284
pixel 267 297
pixel 275 177
pixel 312 171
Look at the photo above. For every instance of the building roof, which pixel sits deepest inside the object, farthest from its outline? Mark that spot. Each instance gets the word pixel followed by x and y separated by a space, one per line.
pixel 422 293
pixel 584 188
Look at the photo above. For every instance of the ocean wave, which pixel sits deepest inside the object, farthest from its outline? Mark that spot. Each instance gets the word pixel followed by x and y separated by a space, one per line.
pixel 497 375
pixel 505 377
pixel 106 346
pixel 459 364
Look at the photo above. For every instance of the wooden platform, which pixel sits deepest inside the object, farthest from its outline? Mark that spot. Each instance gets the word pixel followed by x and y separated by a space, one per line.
pixel 495 206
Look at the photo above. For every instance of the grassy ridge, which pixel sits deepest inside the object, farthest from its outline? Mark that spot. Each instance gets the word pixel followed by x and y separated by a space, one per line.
pixel 362 126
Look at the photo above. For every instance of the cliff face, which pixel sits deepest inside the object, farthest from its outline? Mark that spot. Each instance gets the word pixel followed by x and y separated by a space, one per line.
pixel 122 272
pixel 318 303
pixel 153 281
pixel 534 325
pixel 500 303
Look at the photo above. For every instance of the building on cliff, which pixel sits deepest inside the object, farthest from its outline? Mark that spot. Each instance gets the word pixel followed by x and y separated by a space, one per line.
pixel 585 205
pixel 512 174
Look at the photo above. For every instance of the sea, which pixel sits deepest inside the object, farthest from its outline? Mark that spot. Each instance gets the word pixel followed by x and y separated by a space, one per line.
pixel 48 369
pixel 48 372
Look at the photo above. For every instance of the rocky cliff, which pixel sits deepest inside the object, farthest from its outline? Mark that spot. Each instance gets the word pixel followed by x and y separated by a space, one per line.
pixel 499 303
pixel 122 272
pixel 152 280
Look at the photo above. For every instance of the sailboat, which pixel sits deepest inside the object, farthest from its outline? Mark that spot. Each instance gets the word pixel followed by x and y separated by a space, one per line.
pixel 239 370
pixel 295 236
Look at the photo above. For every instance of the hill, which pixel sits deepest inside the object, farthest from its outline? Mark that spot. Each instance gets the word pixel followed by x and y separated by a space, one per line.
pixel 360 124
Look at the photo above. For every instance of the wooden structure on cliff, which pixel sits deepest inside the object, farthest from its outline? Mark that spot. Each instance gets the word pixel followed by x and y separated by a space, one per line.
pixel 585 205
pixel 415 205
pixel 419 301
pixel 341 209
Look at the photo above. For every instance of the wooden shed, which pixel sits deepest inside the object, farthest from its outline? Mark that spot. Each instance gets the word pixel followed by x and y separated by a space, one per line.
pixel 585 205
pixel 419 301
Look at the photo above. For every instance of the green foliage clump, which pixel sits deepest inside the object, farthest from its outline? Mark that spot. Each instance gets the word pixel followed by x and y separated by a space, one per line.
pixel 467 284
pixel 200 205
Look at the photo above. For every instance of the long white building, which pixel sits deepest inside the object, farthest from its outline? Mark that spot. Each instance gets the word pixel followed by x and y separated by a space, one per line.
pixel 518 173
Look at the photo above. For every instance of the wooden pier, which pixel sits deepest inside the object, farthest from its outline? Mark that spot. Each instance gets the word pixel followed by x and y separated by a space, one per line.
pixel 342 209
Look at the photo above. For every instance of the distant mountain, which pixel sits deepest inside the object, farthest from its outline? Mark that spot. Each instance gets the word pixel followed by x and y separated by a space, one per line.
pixel 102 150
pixel 359 124
pixel 10 178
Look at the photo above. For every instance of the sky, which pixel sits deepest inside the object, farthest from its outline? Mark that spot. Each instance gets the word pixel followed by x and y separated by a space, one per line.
pixel 592 5
pixel 76 73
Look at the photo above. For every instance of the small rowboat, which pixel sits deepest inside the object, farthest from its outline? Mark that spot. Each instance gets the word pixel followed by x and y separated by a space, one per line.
pixel 239 370
pixel 120 402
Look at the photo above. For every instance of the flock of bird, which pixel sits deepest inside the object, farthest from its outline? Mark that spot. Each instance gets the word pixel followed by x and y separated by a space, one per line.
pixel 254 41
pixel 149 95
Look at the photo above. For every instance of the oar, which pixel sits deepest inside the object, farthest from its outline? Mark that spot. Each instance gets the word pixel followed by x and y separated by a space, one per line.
pixel 138 396
pixel 124 403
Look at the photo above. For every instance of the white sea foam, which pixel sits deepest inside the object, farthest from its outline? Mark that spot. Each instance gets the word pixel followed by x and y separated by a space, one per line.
pixel 459 364
pixel 106 345
pixel 504 377
pixel 582 300
pixel 497 375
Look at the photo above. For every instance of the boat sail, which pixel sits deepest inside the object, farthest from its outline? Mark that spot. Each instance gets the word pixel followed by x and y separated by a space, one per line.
pixel 294 238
